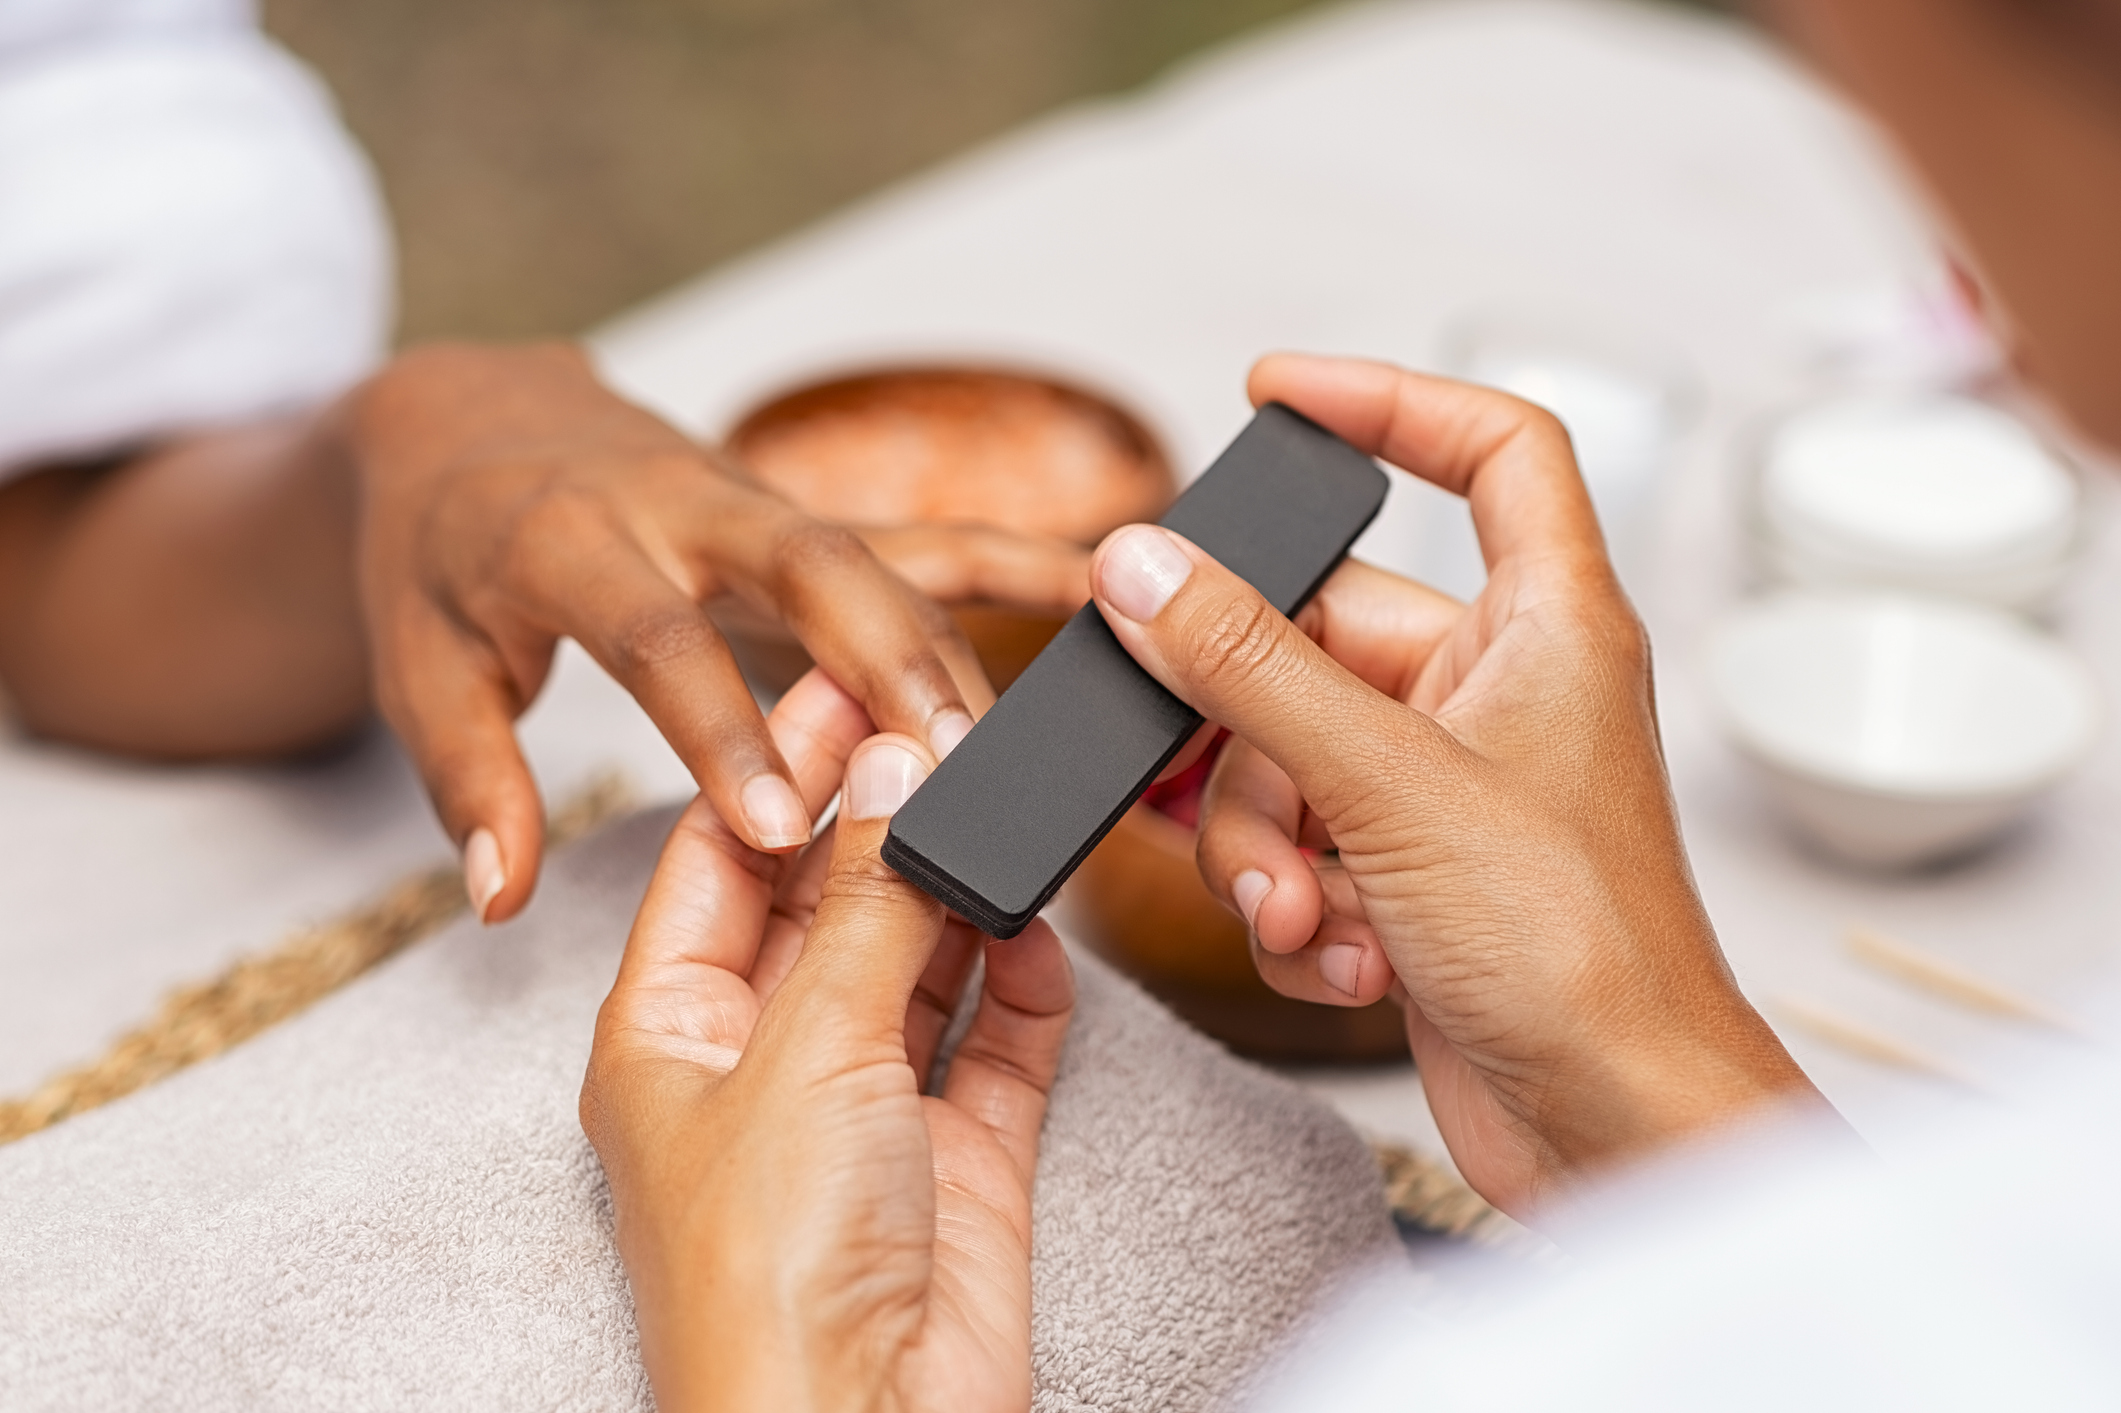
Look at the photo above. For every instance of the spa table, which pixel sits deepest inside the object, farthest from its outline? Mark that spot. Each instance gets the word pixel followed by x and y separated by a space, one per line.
pixel 1357 181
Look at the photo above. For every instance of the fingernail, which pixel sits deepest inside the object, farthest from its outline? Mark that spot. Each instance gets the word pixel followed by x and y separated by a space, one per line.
pixel 1250 889
pixel 773 813
pixel 1141 570
pixel 883 778
pixel 484 874
pixel 1341 967
pixel 947 732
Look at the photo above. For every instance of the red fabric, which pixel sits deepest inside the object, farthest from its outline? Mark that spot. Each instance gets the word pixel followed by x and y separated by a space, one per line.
pixel 1179 797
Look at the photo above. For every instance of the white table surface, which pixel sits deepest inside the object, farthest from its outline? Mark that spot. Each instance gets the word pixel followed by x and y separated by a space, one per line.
pixel 1353 182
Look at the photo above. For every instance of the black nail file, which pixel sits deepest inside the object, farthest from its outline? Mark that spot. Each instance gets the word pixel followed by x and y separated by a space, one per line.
pixel 1003 822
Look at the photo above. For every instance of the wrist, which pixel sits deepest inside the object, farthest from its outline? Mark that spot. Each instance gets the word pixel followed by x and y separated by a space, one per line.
pixel 723 1327
pixel 1693 1071
pixel 741 1356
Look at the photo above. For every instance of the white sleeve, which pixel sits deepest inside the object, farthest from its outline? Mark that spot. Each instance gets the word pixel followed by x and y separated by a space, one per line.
pixel 187 238
pixel 1978 1269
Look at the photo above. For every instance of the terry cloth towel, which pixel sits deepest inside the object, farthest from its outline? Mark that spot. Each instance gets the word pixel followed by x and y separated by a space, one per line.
pixel 388 1202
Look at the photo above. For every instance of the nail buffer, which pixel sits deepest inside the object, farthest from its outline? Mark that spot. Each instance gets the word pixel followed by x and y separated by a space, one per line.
pixel 1004 821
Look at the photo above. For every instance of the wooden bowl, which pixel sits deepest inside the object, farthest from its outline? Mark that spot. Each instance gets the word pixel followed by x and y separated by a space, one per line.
pixel 966 445
pixel 1029 454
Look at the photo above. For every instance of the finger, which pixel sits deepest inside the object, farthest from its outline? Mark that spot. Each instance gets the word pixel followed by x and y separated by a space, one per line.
pixel 682 977
pixel 1003 1072
pixel 817 725
pixel 960 564
pixel 873 933
pixel 935 999
pixel 709 899
pixel 1511 460
pixel 451 702
pixel 664 650
pixel 1210 638
pixel 1343 964
pixel 1380 626
pixel 794 907
pixel 961 661
pixel 879 638
pixel 1247 850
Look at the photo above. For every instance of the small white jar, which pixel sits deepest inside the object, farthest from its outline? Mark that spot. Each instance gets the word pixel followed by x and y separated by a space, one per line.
pixel 1920 493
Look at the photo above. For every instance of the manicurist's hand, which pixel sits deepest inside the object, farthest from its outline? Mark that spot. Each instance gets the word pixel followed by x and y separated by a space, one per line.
pixel 1508 859
pixel 802 1227
pixel 508 499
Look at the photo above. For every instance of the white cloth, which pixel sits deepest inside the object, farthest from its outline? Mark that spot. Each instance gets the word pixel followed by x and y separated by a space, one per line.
pixel 1979 1269
pixel 187 235
pixel 27 26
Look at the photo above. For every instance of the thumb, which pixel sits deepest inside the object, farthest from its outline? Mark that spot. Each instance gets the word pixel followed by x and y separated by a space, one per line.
pixel 1212 640
pixel 873 932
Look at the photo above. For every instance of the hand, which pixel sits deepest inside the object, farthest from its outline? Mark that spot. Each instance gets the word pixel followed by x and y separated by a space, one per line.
pixel 802 1228
pixel 1508 856
pixel 509 499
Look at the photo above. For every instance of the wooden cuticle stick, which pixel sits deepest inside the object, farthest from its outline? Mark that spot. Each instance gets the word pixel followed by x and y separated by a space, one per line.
pixel 1953 982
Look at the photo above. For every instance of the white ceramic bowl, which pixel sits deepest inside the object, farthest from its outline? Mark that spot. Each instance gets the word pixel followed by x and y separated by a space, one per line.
pixel 1900 730
pixel 1926 494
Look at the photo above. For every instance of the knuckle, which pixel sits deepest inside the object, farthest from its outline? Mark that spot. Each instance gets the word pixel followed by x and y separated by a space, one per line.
pixel 812 551
pixel 1543 426
pixel 1616 638
pixel 1532 424
pixel 654 639
pixel 555 523
pixel 1235 646
pixel 548 531
pixel 659 469
pixel 1628 643
pixel 864 878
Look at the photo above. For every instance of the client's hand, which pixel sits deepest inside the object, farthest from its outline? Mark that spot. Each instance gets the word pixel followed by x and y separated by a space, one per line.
pixel 508 499
pixel 801 1227
pixel 1491 778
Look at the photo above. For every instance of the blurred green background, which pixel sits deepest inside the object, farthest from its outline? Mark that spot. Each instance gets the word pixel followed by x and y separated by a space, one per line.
pixel 550 162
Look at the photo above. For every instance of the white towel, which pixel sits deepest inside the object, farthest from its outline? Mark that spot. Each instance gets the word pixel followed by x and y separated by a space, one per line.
pixel 388 1201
